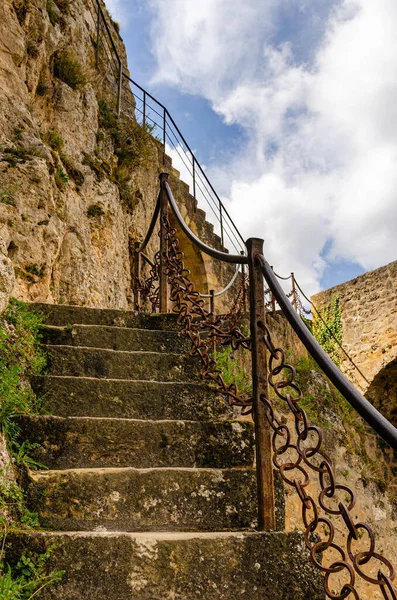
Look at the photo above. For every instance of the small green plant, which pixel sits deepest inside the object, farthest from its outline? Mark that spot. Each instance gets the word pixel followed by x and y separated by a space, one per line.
pixel 61 178
pixel 52 12
pixel 42 87
pixel 32 49
pixel 233 372
pixel 21 356
pixel 18 131
pixel 24 218
pixel 7 196
pixel 35 270
pixel 68 69
pixel 327 329
pixel 95 210
pixel 53 139
pixel 29 576
pixel 116 25
pixel 72 171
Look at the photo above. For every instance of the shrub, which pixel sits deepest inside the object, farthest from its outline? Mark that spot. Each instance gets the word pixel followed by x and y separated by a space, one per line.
pixel 68 69
pixel 95 210
pixel 42 87
pixel 21 356
pixel 32 49
pixel 7 197
pixel 53 139
pixel 61 178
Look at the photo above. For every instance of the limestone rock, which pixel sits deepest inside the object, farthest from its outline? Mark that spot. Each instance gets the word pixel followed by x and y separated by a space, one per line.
pixel 7 280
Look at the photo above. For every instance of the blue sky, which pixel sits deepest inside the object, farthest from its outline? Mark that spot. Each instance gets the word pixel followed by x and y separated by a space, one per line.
pixel 291 106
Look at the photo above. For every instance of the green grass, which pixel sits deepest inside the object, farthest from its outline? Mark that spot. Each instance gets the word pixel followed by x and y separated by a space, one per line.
pixel 21 356
pixel 68 69
pixel 233 371
pixel 53 139
pixel 26 579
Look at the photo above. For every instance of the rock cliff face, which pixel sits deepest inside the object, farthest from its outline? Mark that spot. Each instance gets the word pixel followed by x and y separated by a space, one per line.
pixel 77 186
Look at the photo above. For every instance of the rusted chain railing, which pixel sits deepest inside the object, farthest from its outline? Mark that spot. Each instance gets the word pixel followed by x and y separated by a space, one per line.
pixel 297 452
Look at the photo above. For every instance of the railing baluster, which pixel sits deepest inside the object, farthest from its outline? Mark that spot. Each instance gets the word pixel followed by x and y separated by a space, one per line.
pixel 221 222
pixel 264 468
pixel 164 133
pixel 163 289
pixel 194 181
pixel 294 301
pixel 144 109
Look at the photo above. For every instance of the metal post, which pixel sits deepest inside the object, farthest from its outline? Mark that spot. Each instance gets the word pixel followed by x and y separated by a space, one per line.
pixel 137 274
pixel 244 286
pixel 164 134
pixel 144 109
pixel 264 469
pixel 212 302
pixel 221 222
pixel 98 36
pixel 163 289
pixel 194 181
pixel 294 301
pixel 120 86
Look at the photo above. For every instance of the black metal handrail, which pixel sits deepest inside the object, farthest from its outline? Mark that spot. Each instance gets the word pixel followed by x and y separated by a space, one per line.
pixel 202 186
pixel 369 413
pixel 239 259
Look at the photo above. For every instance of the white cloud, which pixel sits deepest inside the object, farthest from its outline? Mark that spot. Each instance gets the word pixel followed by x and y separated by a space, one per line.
pixel 320 163
pixel 118 10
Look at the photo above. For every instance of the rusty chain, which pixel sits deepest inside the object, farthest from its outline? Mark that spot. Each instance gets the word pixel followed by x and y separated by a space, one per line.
pixel 306 448
pixel 203 328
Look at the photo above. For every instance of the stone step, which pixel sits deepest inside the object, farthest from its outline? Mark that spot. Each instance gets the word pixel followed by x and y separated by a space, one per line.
pixel 114 364
pixel 128 499
pixel 91 442
pixel 63 314
pixel 116 338
pixel 85 396
pixel 181 566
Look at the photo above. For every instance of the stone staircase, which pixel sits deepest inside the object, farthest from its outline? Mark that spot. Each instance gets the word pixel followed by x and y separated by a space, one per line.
pixel 150 492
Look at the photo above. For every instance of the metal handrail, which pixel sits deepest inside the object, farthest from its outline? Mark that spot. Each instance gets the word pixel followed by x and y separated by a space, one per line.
pixel 239 259
pixel 197 170
pixel 225 289
pixel 369 413
pixel 151 226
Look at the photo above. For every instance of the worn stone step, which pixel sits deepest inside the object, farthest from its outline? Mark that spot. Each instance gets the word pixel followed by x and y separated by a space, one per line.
pixel 114 364
pixel 63 315
pixel 128 499
pixel 91 442
pixel 181 566
pixel 85 396
pixel 116 338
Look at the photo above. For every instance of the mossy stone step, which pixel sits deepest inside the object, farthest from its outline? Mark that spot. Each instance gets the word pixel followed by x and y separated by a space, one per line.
pixel 85 396
pixel 91 442
pixel 116 338
pixel 128 499
pixel 114 364
pixel 156 566
pixel 64 314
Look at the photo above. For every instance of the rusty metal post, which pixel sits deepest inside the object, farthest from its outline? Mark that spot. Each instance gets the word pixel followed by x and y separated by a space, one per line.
pixel 294 300
pixel 136 275
pixel 264 468
pixel 212 302
pixel 242 252
pixel 163 289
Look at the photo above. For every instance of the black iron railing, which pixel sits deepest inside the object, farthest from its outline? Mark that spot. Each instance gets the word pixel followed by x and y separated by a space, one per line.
pixel 297 452
pixel 132 98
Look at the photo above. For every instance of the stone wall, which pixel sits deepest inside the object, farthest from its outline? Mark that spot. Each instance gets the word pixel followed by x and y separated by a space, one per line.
pixel 369 323
pixel 68 214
